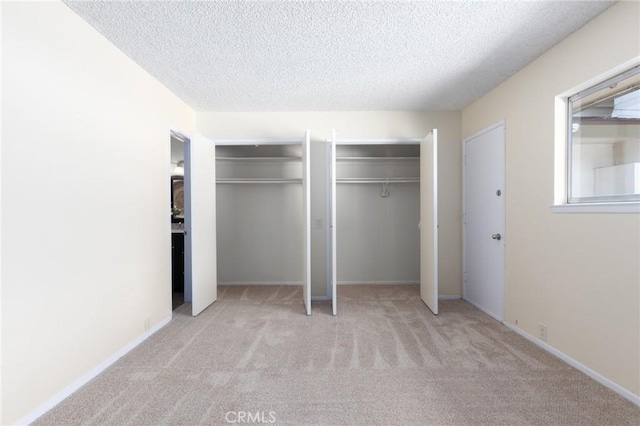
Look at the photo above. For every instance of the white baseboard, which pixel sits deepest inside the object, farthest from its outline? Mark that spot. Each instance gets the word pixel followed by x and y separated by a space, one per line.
pixel 378 282
pixel 64 393
pixel 635 399
pixel 449 297
pixel 234 283
pixel 442 297
pixel 483 309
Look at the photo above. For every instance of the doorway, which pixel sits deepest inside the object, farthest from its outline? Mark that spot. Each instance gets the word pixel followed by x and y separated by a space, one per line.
pixel 484 220
pixel 177 144
pixel 377 237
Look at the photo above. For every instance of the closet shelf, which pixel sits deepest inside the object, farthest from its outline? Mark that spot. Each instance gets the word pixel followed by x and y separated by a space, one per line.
pixel 379 180
pixel 258 180
pixel 258 158
pixel 378 158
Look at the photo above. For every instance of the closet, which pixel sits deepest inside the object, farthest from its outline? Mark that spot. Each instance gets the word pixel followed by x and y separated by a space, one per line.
pixel 247 218
pixel 384 213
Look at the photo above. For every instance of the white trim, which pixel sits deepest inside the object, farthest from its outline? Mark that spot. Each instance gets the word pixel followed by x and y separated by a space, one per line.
pixel 328 222
pixel 334 225
pixel 441 297
pixel 257 142
pixel 464 218
pixel 486 130
pixel 597 208
pixel 601 77
pixel 635 399
pixel 449 297
pixel 94 372
pixel 436 224
pixel 306 191
pixel 240 283
pixel 378 282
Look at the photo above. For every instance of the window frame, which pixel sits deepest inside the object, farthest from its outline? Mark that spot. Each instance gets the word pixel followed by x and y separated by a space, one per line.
pixel 563 202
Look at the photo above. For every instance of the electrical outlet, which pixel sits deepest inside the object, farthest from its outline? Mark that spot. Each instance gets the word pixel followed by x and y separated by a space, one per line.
pixel 318 224
pixel 146 324
pixel 542 332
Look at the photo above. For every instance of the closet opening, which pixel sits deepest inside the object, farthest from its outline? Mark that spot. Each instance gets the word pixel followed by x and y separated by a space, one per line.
pixel 384 232
pixel 263 220
pixel 177 206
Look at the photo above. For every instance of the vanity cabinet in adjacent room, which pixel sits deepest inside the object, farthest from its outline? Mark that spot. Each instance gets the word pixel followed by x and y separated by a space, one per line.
pixel 177 261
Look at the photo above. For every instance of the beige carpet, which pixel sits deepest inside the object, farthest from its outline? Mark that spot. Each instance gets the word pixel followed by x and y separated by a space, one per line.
pixel 385 359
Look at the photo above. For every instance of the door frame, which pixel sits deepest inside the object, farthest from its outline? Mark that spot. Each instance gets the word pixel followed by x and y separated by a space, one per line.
pixel 333 142
pixel 181 136
pixel 502 123
pixel 305 144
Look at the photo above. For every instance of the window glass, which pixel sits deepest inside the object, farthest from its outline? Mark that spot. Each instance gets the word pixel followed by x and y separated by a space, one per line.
pixel 604 141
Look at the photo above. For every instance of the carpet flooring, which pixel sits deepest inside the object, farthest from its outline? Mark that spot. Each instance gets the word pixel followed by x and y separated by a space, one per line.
pixel 254 357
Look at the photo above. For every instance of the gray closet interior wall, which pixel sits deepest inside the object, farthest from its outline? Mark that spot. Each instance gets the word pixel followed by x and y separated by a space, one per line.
pixel 259 224
pixel 378 239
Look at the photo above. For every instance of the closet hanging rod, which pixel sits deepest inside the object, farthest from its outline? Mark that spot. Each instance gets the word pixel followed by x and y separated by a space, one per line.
pixel 259 180
pixel 378 181
pixel 256 142
pixel 258 158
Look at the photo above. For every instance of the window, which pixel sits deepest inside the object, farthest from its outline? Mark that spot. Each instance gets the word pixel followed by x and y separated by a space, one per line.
pixel 604 141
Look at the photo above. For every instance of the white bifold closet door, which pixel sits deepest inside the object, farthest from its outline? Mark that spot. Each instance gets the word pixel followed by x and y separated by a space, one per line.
pixel 200 222
pixel 429 221
pixel 306 208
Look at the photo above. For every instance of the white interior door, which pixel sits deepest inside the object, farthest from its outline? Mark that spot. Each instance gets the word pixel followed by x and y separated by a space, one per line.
pixel 334 268
pixel 200 222
pixel 484 220
pixel 429 221
pixel 306 208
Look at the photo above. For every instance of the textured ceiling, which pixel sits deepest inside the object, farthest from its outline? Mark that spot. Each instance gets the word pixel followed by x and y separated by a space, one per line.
pixel 334 55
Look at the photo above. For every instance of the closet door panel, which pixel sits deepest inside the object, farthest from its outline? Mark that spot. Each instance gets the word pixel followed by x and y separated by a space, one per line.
pixel 306 208
pixel 334 268
pixel 200 222
pixel 429 221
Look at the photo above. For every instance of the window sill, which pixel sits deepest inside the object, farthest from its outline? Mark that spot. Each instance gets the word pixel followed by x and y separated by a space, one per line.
pixel 597 208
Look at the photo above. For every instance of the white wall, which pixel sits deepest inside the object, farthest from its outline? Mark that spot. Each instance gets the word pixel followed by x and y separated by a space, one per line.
pixel 378 237
pixel 85 197
pixel 587 157
pixel 376 124
pixel 259 233
pixel 576 273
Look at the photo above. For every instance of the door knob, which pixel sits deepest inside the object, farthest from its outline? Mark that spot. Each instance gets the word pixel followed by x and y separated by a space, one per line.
pixel 496 237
